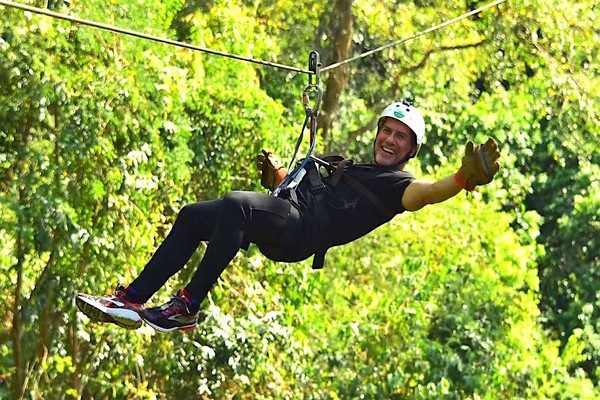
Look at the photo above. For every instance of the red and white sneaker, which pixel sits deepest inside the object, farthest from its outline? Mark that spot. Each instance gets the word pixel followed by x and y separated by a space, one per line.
pixel 114 308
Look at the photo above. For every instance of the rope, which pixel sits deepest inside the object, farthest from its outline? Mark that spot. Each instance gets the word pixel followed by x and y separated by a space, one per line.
pixel 414 36
pixel 111 28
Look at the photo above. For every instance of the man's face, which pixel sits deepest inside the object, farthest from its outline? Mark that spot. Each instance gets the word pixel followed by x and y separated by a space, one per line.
pixel 395 141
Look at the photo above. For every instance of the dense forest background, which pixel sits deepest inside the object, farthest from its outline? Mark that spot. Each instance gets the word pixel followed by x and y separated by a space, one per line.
pixel 104 137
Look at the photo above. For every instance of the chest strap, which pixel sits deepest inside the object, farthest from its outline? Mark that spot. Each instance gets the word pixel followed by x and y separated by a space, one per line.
pixel 369 195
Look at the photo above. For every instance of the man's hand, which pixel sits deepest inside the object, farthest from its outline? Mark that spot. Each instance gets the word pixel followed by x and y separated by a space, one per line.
pixel 479 164
pixel 271 169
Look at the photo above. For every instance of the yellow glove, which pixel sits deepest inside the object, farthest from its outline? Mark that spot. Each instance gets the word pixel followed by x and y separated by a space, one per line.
pixel 272 170
pixel 479 165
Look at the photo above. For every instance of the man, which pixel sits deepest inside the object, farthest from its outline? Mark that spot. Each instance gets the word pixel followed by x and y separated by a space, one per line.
pixel 319 213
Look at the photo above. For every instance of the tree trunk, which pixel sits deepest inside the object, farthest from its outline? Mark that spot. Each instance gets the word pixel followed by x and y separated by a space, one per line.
pixel 16 331
pixel 341 30
pixel 17 323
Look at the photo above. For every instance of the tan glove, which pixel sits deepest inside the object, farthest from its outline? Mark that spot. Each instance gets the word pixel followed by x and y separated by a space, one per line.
pixel 479 165
pixel 271 169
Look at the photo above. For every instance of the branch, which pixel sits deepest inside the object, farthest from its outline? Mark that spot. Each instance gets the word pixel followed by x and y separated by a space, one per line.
pixel 438 49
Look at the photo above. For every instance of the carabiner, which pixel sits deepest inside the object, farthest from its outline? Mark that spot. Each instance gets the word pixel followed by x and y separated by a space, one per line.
pixel 317 91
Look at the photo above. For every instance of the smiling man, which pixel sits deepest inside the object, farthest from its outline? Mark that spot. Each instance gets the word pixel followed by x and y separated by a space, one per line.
pixel 396 142
pixel 400 134
pixel 322 211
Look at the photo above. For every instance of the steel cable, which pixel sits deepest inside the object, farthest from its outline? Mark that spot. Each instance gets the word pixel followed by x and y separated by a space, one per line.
pixel 129 32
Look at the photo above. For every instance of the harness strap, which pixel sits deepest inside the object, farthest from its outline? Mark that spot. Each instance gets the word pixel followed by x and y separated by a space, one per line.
pixel 317 187
pixel 319 259
pixel 360 188
pixel 337 173
pixel 316 183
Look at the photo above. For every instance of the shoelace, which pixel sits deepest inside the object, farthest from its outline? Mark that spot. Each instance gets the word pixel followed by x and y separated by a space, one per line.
pixel 174 306
pixel 121 293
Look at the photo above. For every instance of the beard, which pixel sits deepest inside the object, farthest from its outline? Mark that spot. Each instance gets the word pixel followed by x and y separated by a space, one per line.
pixel 399 165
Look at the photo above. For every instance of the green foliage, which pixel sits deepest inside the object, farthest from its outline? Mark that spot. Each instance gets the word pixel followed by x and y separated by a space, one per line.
pixel 425 322
pixel 104 137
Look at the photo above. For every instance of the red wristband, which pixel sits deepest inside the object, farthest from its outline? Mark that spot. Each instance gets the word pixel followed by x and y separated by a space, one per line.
pixel 460 180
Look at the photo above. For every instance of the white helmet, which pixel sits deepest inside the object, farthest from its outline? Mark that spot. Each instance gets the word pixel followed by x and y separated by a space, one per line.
pixel 405 112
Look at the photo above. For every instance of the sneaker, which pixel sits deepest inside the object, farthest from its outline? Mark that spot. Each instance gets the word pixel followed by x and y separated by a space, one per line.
pixel 174 314
pixel 114 308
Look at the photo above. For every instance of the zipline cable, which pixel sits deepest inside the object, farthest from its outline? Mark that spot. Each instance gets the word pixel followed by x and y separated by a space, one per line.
pixel 414 36
pixel 129 32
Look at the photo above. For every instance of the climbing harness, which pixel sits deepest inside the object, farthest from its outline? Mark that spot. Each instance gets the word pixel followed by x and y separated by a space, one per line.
pixel 310 121
pixel 310 166
pixel 316 191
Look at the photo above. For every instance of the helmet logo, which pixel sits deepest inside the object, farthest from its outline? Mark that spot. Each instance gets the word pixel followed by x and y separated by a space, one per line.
pixel 399 114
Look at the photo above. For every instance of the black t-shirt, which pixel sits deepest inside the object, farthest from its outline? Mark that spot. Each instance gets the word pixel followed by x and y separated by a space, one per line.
pixel 351 215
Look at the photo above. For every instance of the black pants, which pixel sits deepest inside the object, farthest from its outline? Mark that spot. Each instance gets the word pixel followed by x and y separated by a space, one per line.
pixel 227 224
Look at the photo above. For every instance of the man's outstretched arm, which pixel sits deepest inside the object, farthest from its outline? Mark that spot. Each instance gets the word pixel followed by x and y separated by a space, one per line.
pixel 479 165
